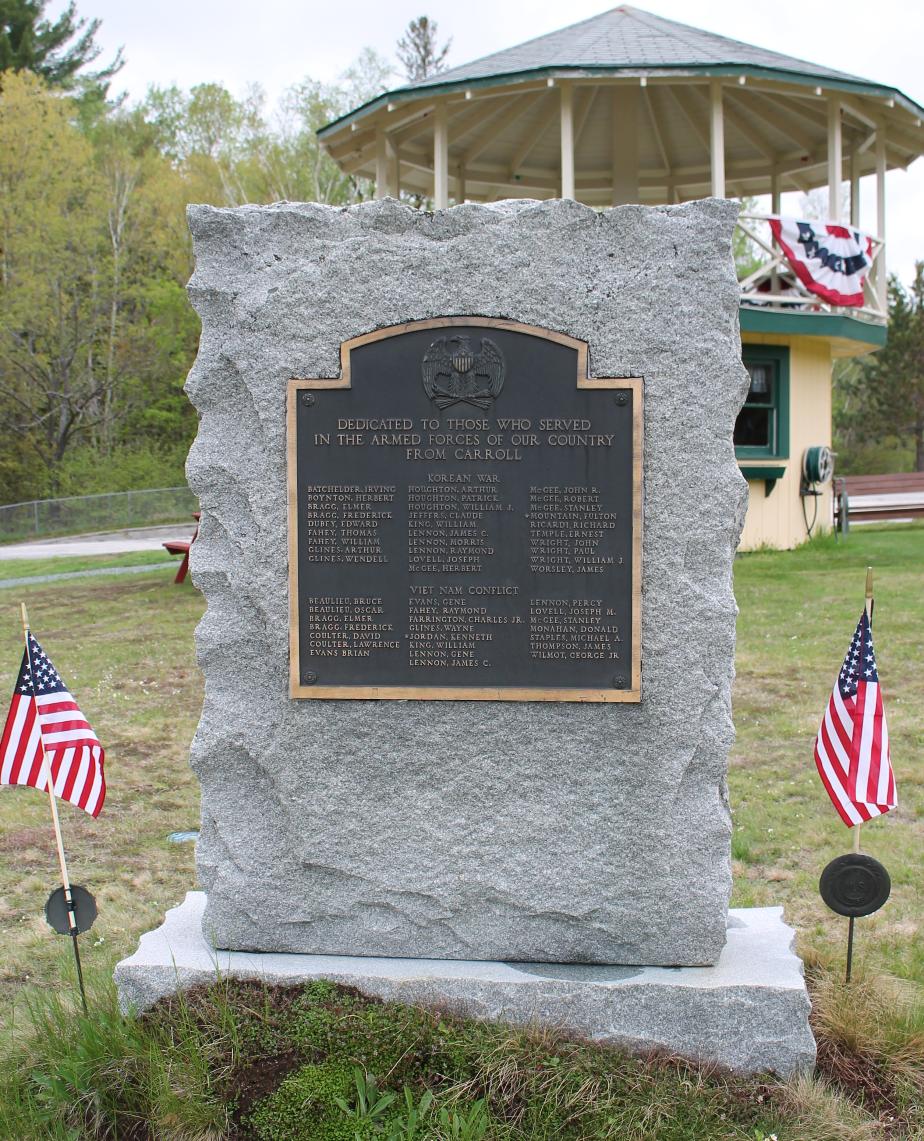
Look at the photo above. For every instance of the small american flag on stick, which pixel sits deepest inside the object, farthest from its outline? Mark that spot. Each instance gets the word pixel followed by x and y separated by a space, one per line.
pixel 45 730
pixel 852 746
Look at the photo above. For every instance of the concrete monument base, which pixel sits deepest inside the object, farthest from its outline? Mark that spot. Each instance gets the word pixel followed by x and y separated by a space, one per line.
pixel 748 1012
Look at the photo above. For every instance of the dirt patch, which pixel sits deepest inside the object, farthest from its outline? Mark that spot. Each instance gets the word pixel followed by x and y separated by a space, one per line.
pixel 23 838
pixel 256 1081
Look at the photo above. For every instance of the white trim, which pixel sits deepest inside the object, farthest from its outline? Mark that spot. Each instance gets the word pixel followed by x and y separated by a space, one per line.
pixel 567 140
pixel 440 158
pixel 716 138
pixel 835 159
pixel 882 288
pixel 381 164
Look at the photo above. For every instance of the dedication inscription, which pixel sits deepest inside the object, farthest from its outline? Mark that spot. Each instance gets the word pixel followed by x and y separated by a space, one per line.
pixel 465 519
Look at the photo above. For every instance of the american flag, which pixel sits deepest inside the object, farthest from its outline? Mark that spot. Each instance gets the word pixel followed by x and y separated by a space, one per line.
pixel 852 746
pixel 43 711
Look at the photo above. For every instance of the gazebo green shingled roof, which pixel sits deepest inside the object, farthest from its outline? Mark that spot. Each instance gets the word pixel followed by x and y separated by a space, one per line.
pixel 628 39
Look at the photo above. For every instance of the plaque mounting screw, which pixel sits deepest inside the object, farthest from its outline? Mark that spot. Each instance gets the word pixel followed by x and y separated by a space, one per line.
pixel 307 398
pixel 309 678
pixel 619 681
pixel 622 398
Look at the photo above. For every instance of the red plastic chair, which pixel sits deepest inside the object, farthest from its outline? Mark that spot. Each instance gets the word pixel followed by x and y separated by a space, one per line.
pixel 181 547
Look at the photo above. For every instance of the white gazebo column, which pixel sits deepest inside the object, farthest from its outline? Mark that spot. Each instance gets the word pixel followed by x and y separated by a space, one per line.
pixel 716 138
pixel 440 158
pixel 775 195
pixel 625 144
pixel 381 164
pixel 396 170
pixel 835 160
pixel 854 168
pixel 460 184
pixel 881 274
pixel 775 208
pixel 567 140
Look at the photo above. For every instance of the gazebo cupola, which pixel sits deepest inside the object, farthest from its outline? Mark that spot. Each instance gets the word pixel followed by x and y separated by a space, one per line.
pixel 627 107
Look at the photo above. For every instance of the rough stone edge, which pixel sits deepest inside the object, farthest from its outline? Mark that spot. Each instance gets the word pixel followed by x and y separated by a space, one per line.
pixel 751 1022
pixel 214 290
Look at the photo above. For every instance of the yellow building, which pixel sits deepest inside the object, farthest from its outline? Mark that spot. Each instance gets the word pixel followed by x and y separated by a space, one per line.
pixel 629 107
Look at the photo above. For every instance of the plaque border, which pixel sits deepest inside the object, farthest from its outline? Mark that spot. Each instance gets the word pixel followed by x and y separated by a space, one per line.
pixel 635 384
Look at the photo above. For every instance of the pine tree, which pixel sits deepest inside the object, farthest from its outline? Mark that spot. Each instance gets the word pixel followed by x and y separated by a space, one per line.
pixel 55 50
pixel 879 400
pixel 896 372
pixel 419 52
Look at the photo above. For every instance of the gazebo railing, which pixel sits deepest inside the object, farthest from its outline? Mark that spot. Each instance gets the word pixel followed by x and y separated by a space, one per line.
pixel 772 285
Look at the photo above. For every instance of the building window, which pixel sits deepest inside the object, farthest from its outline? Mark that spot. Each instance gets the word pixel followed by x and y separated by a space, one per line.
pixel 762 427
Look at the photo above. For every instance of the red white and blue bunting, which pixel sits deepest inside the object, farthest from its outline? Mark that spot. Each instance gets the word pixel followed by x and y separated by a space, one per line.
pixel 831 261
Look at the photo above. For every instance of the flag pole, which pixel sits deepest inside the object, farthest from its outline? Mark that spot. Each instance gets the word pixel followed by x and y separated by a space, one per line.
pixel 858 825
pixel 869 618
pixel 46 774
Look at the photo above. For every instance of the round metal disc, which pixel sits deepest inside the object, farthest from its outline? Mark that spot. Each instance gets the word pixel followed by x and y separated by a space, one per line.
pixel 855 885
pixel 84 910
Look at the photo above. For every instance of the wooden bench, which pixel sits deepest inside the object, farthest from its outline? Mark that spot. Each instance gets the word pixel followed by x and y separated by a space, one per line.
pixel 880 497
pixel 181 547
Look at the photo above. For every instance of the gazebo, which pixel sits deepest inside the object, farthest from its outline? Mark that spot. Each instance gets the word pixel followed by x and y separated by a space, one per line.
pixel 627 107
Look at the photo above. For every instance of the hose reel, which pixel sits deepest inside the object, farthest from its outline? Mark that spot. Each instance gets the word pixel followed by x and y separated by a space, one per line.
pixel 817 465
pixel 817 468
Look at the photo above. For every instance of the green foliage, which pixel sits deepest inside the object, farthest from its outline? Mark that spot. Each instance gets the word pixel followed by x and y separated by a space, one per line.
pixel 465 1125
pixel 748 256
pixel 55 50
pixel 104 1074
pixel 370 1104
pixel 129 467
pixel 96 332
pixel 52 313
pixel 410 1120
pixel 307 1107
pixel 879 400
pixel 197 1066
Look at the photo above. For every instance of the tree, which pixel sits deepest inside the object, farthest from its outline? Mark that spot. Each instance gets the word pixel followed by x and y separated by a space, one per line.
pixel 297 166
pixel 419 51
pixel 52 304
pixel 56 51
pixel 878 401
pixel 93 250
pixel 894 390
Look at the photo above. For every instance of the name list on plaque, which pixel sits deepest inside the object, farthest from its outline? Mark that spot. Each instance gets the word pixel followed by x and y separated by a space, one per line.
pixel 465 520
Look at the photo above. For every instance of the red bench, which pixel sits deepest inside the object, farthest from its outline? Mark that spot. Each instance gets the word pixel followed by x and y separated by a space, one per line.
pixel 880 497
pixel 181 547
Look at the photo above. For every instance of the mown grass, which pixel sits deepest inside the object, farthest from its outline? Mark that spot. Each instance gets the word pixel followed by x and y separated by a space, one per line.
pixel 24 568
pixel 124 646
pixel 198 1068
pixel 798 611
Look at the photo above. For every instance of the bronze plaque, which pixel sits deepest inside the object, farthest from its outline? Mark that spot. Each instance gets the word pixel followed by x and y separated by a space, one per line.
pixel 465 519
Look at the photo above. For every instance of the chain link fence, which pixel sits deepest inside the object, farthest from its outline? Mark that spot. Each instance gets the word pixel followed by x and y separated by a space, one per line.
pixel 110 511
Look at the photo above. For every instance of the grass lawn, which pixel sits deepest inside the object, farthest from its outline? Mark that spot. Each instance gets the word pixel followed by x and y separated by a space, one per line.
pixel 798 611
pixel 124 645
pixel 24 568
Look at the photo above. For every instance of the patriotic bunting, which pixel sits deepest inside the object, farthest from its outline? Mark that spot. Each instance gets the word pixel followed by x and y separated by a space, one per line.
pixel 831 261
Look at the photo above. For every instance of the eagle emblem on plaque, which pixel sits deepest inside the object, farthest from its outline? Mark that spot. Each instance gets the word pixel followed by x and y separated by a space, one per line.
pixel 453 373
